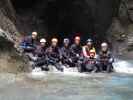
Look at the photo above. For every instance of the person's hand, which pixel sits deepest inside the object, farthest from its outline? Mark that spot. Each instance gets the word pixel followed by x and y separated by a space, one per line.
pixel 110 60
pixel 70 59
pixel 77 55
pixel 34 58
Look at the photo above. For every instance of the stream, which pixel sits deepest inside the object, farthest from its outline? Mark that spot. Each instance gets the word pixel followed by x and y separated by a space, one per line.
pixel 69 85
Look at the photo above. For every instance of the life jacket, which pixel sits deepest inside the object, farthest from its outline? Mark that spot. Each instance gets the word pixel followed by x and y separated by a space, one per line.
pixel 88 52
pixel 105 56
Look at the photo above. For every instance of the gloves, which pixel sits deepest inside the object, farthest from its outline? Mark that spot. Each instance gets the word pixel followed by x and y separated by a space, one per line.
pixel 34 58
pixel 77 55
pixel 70 59
pixel 111 60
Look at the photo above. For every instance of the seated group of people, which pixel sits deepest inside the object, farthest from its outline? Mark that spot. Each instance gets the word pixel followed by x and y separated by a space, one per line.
pixel 84 58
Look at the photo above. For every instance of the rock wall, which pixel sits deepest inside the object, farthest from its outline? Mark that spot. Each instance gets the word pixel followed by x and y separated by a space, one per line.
pixel 7 21
pixel 9 60
pixel 121 30
pixel 88 16
pixel 85 16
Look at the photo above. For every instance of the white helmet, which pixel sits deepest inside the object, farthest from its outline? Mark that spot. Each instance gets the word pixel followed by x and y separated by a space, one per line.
pixel 43 40
pixel 34 33
pixel 66 40
pixel 77 38
pixel 54 40
pixel 104 44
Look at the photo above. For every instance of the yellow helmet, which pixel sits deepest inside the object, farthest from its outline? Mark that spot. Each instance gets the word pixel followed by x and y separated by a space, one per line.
pixel 92 51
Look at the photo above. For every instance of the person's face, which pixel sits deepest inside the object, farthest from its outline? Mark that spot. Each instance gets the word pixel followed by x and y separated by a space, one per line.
pixel 89 44
pixel 34 36
pixel 92 55
pixel 66 44
pixel 54 44
pixel 104 49
pixel 43 44
pixel 50 50
pixel 77 42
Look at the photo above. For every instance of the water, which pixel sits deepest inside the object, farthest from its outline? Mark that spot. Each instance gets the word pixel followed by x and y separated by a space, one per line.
pixel 122 66
pixel 69 86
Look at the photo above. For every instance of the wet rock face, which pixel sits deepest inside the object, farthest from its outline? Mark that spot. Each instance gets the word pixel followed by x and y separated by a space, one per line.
pixel 88 16
pixel 68 16
pixel 126 11
pixel 10 61
pixel 30 15
pixel 7 21
pixel 122 28
pixel 54 16
pixel 130 10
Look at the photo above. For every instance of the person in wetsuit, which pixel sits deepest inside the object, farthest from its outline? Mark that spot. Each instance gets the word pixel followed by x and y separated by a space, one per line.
pixel 40 56
pixel 28 43
pixel 105 59
pixel 75 51
pixel 88 58
pixel 65 53
pixel 53 55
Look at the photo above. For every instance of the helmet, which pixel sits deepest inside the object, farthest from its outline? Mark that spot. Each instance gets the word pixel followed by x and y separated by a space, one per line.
pixel 54 40
pixel 89 40
pixel 34 33
pixel 66 40
pixel 92 52
pixel 77 38
pixel 104 44
pixel 42 40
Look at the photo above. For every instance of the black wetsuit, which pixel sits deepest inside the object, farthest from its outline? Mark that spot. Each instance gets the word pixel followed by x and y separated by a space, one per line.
pixel 53 55
pixel 105 61
pixel 41 60
pixel 75 52
pixel 65 56
pixel 90 65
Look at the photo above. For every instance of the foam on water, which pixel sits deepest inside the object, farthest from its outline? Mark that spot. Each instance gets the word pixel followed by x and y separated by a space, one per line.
pixel 120 66
pixel 123 66
pixel 37 74
pixel 73 72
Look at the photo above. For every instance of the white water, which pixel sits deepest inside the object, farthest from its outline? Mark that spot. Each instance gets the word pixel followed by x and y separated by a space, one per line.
pixel 73 72
pixel 123 66
pixel 120 66
pixel 38 74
